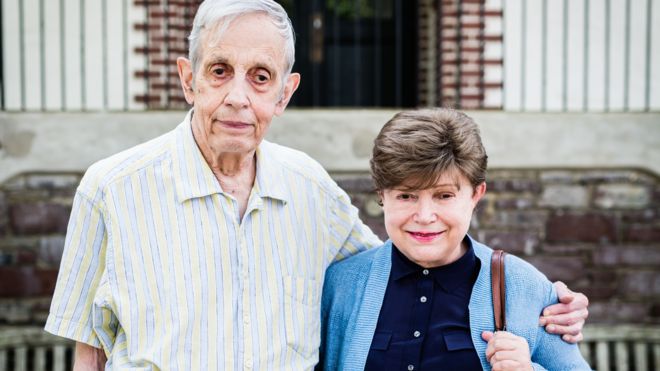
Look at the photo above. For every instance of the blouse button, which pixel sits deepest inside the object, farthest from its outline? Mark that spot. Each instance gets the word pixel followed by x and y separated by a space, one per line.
pixel 423 299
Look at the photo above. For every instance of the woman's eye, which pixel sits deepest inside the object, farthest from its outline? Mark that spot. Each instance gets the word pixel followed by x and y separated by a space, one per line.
pixel 445 195
pixel 405 196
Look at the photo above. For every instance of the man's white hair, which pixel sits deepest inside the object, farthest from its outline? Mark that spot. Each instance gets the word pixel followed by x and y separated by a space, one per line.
pixel 219 13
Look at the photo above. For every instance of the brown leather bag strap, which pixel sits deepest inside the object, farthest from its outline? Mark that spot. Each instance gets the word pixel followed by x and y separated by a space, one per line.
pixel 499 295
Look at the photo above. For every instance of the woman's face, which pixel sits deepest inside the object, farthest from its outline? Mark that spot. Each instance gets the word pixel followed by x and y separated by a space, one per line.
pixel 428 226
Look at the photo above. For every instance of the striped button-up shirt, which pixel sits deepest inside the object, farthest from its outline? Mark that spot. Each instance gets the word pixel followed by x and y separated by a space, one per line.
pixel 161 272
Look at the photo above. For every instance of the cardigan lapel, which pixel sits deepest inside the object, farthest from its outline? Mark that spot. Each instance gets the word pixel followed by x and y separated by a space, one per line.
pixel 369 310
pixel 481 303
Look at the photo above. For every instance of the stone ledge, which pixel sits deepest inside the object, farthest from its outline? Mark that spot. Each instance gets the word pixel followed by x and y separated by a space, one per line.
pixel 341 139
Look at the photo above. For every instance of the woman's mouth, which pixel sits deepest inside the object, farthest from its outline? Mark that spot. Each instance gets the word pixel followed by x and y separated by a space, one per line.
pixel 424 236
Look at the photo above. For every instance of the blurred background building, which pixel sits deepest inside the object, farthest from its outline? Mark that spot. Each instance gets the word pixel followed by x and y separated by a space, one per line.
pixel 567 94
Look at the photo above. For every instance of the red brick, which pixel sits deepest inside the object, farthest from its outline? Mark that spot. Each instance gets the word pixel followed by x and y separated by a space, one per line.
pixel 597 228
pixel 147 98
pixel 25 257
pixel 514 185
pixel 26 281
pixel 516 242
pixel 39 218
pixel 565 268
pixel 627 255
pixel 618 312
pixel 639 284
pixel 642 233
pixel 146 26
pixel 144 50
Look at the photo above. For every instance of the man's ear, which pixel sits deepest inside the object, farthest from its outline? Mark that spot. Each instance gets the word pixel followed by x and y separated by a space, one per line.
pixel 186 76
pixel 290 86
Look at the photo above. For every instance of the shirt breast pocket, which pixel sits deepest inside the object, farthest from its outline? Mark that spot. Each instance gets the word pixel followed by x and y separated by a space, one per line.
pixel 302 315
pixel 459 340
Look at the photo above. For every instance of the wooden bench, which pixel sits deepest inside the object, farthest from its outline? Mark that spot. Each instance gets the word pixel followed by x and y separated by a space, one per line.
pixel 31 348
pixel 622 347
pixel 606 348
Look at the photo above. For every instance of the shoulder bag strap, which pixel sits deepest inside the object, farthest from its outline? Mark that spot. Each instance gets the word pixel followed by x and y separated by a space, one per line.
pixel 499 297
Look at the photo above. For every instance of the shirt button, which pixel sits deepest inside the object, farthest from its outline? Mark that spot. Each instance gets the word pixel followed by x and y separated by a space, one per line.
pixel 423 299
pixel 425 272
pixel 416 334
pixel 411 367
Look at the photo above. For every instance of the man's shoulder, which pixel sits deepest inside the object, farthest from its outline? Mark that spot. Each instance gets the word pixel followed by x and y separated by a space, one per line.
pixel 122 164
pixel 297 163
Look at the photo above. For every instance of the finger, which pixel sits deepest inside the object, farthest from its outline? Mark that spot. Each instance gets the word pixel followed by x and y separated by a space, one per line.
pixel 573 339
pixel 487 335
pixel 573 329
pixel 504 344
pixel 505 365
pixel 563 292
pixel 566 319
pixel 518 355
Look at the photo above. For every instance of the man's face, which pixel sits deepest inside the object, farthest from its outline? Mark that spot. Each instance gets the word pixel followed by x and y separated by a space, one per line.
pixel 238 86
pixel 428 226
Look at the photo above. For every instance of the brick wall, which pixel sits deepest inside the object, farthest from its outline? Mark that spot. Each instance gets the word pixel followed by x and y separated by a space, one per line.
pixel 460 53
pixel 599 231
pixel 166 29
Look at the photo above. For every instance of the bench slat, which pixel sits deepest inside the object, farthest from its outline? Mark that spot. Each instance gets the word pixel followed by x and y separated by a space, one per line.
pixel 20 359
pixel 59 358
pixel 602 355
pixel 40 359
pixel 621 353
pixel 3 360
pixel 641 362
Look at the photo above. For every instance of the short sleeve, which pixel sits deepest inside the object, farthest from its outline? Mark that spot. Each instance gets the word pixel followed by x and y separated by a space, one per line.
pixel 81 269
pixel 347 230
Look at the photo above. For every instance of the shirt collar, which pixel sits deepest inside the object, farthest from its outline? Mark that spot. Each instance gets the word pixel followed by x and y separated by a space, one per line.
pixel 195 179
pixel 449 277
pixel 270 173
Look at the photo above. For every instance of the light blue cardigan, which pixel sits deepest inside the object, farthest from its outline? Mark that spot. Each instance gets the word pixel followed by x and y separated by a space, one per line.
pixel 353 294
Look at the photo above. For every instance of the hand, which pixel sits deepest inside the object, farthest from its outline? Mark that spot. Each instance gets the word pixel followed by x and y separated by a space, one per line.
pixel 507 352
pixel 567 317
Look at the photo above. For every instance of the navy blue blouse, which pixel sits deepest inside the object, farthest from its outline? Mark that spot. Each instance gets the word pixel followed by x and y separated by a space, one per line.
pixel 424 323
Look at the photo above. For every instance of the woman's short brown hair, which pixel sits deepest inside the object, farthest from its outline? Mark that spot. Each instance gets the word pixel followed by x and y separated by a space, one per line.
pixel 415 148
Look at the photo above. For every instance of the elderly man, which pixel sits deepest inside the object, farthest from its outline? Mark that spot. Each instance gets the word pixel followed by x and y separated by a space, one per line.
pixel 205 248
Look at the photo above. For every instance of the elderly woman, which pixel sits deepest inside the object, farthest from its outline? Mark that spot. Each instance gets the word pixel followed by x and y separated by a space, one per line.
pixel 422 301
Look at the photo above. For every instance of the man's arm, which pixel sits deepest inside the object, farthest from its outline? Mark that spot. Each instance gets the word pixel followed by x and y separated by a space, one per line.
pixel 88 358
pixel 567 317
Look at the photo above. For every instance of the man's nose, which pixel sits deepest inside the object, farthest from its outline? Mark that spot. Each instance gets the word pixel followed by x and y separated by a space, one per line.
pixel 237 93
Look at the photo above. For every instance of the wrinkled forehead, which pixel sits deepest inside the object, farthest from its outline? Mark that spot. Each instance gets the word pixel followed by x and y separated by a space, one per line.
pixel 252 32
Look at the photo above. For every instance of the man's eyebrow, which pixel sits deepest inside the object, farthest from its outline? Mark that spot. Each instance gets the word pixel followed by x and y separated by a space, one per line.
pixel 215 59
pixel 266 66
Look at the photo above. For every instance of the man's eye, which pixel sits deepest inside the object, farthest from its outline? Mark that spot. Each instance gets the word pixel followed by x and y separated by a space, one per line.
pixel 219 71
pixel 262 77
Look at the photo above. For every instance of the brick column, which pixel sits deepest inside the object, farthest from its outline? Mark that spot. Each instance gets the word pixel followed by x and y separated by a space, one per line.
pixel 167 27
pixel 468 53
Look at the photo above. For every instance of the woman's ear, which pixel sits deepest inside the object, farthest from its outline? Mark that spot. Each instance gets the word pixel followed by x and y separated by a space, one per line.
pixel 479 192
